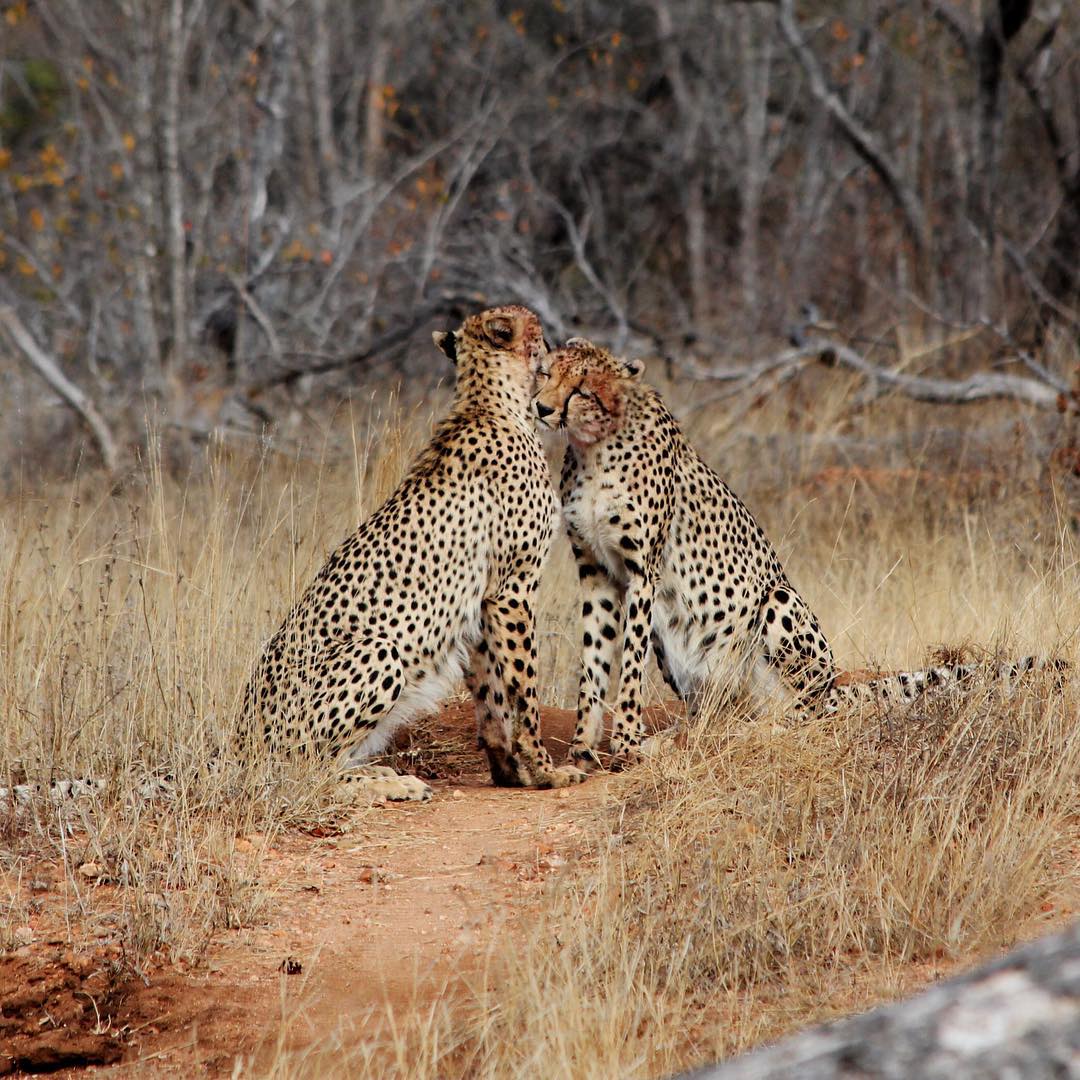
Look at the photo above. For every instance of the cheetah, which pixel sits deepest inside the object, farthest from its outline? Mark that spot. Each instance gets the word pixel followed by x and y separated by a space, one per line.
pixel 438 583
pixel 671 561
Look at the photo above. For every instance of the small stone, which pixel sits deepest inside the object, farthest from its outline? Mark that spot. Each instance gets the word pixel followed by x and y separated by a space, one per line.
pixel 90 870
pixel 457 794
pixel 23 935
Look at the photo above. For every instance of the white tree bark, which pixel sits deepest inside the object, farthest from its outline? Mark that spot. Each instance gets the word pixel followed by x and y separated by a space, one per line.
pixel 1042 389
pixel 1016 1017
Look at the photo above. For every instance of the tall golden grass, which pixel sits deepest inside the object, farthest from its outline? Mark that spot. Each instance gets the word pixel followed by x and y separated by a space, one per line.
pixel 763 875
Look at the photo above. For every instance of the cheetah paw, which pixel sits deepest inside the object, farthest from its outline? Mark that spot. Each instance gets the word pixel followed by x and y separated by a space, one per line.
pixel 583 757
pixel 379 783
pixel 625 757
pixel 658 744
pixel 563 776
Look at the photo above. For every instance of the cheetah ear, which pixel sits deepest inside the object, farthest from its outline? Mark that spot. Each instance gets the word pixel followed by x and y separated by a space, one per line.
pixel 633 368
pixel 446 343
pixel 500 331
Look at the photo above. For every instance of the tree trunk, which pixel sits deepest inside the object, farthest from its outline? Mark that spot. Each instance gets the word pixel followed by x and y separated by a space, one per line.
pixel 174 189
pixel 329 168
pixel 375 115
pixel 145 184
pixel 756 63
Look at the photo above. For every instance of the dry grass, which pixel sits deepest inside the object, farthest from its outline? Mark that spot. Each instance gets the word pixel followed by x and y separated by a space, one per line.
pixel 130 620
pixel 762 876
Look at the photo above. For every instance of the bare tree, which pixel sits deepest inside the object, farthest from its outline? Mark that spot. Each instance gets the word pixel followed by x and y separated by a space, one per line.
pixel 239 192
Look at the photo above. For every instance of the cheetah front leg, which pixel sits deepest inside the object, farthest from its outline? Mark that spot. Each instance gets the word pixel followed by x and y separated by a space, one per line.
pixel 512 647
pixel 601 619
pixel 628 731
pixel 492 721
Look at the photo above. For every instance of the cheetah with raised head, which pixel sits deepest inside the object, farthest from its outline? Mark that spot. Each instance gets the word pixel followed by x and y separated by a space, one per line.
pixel 440 579
pixel 671 560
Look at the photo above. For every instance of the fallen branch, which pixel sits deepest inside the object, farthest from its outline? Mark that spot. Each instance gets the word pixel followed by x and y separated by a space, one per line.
pixel 980 386
pixel 1042 389
pixel 47 367
pixel 1017 1016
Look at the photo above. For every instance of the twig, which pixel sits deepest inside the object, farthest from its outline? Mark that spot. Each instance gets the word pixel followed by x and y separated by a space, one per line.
pixel 444 304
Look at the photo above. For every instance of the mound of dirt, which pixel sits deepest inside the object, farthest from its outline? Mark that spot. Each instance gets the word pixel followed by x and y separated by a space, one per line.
pixel 57 1011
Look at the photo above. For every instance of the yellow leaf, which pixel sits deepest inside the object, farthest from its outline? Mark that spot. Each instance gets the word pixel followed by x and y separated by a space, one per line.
pixel 37 219
pixel 129 141
pixel 117 170
pixel 25 268
pixel 5 157
pixel 51 157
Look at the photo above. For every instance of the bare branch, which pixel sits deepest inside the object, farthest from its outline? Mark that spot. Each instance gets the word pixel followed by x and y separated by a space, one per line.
pixel 398 334
pixel 865 143
pixel 47 367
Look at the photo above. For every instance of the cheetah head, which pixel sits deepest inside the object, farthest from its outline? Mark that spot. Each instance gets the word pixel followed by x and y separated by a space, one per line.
pixel 582 389
pixel 510 333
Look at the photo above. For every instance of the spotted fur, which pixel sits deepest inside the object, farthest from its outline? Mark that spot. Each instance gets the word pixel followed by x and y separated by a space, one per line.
pixel 672 562
pixel 439 582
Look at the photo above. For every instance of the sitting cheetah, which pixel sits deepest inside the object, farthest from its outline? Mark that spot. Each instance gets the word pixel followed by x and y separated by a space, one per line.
pixel 442 577
pixel 669 557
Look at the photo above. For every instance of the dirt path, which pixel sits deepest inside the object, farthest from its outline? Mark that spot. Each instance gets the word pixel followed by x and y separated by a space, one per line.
pixel 380 917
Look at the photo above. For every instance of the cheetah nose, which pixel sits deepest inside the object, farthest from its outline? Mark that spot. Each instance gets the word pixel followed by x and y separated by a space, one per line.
pixel 543 411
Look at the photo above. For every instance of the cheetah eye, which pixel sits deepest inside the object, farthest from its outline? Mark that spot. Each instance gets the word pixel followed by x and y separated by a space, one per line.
pixel 542 376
